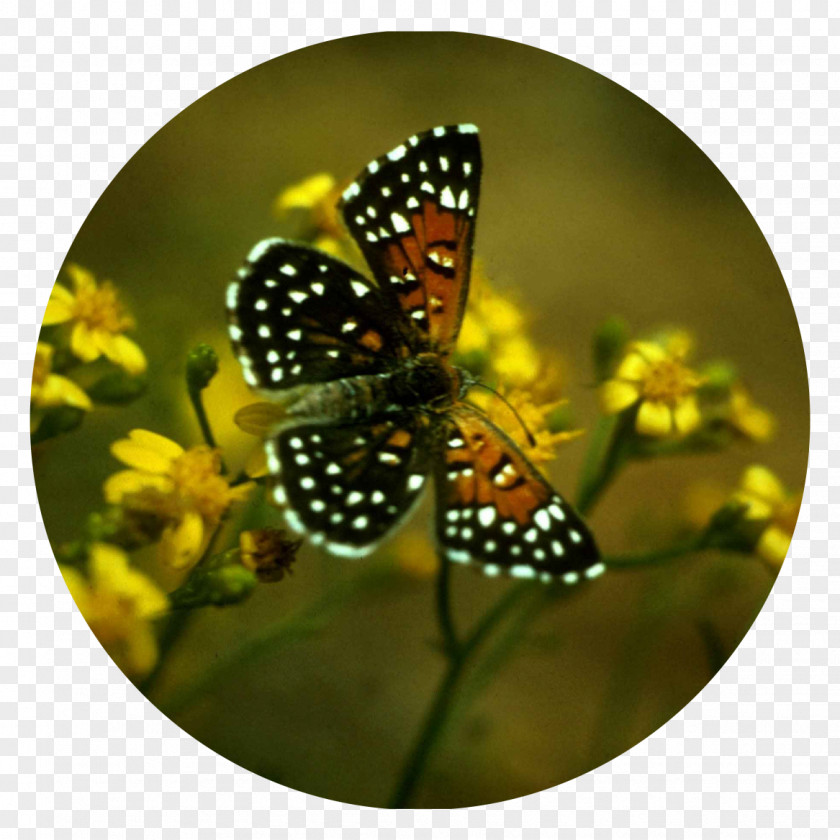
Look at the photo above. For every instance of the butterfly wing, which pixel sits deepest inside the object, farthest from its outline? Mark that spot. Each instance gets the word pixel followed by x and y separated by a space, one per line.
pixel 494 507
pixel 412 212
pixel 299 316
pixel 348 486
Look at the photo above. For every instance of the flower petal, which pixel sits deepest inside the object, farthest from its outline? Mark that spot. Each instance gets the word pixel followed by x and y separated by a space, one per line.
pixel 128 482
pixel 157 443
pixel 633 367
pixel 616 396
pixel 83 343
pixel 654 419
pixel 59 390
pixel 122 351
pixel 180 544
pixel 773 545
pixel 306 193
pixel 59 306
pixel 760 482
pixel 81 278
pixel 140 456
pixel 687 415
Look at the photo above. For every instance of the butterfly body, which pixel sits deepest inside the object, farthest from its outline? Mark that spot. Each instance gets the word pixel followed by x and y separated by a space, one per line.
pixel 423 384
pixel 375 410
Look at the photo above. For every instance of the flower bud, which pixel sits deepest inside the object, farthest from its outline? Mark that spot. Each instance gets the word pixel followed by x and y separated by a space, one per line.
pixel 202 366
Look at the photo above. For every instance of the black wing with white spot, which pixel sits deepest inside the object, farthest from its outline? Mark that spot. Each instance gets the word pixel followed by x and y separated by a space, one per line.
pixel 299 316
pixel 495 508
pixel 348 486
pixel 412 212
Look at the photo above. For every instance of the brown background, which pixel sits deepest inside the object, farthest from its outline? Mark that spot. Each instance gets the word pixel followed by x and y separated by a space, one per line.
pixel 593 204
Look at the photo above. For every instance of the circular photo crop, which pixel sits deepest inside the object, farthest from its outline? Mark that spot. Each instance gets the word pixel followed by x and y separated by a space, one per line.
pixel 420 420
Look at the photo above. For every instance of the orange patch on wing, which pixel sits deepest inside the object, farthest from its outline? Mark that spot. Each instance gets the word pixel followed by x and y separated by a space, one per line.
pixel 372 340
pixel 399 439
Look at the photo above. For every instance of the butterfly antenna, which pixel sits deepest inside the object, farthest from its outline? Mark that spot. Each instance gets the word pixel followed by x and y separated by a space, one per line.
pixel 531 440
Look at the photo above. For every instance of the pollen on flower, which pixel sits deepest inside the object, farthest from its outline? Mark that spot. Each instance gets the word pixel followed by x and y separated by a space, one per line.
pixel 661 384
pixel 99 320
pixel 183 488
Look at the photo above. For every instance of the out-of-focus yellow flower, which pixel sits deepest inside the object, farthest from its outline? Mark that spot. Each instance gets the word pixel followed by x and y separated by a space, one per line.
pixel 319 195
pixel 747 418
pixel 415 554
pixel 99 321
pixel 49 389
pixel 184 488
pixel 494 325
pixel 767 500
pixel 533 415
pixel 516 361
pixel 118 603
pixel 268 553
pixel 663 386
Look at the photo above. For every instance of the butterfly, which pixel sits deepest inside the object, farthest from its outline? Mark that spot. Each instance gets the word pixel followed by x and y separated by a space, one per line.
pixel 374 409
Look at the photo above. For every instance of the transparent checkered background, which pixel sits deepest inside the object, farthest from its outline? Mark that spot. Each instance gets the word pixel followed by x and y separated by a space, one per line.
pixel 82 754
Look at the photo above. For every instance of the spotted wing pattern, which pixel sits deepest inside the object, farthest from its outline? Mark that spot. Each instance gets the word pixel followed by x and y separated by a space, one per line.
pixel 299 316
pixel 347 486
pixel 494 507
pixel 412 212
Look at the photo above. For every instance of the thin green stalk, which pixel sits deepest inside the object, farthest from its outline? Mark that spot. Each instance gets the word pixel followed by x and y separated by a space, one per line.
pixel 439 712
pixel 201 415
pixel 451 645
pixel 607 452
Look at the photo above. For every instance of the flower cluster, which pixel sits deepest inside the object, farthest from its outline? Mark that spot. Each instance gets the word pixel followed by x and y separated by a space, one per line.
pixel 119 603
pixel 83 325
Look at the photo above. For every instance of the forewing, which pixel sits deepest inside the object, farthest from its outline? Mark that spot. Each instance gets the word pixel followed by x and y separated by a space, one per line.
pixel 495 508
pixel 413 214
pixel 348 486
pixel 299 316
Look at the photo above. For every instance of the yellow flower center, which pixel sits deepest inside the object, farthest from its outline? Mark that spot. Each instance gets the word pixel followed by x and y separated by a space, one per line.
pixel 198 482
pixel 668 381
pixel 99 308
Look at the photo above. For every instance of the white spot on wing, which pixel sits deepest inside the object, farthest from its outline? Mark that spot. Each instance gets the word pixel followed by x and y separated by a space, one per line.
pixel 468 128
pixel 487 515
pixel 231 295
pixel 351 192
pixel 524 572
pixel 359 288
pixel 594 571
pixel 397 154
pixel 400 223
pixel 261 247
pixel 415 482
pixel 542 519
pixel 289 270
pixel 447 199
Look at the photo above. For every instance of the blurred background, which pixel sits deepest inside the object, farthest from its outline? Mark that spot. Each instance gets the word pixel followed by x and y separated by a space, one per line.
pixel 592 205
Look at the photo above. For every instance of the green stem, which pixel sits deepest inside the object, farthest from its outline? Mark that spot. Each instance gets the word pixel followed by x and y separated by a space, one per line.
pixel 201 415
pixel 606 454
pixel 657 557
pixel 451 645
pixel 438 715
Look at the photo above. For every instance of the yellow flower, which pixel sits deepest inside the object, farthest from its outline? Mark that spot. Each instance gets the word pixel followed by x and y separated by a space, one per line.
pixel 319 194
pixel 533 415
pixel 658 380
pixel 99 321
pixel 118 603
pixel 747 418
pixel 494 325
pixel 767 501
pixel 184 488
pixel 49 389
